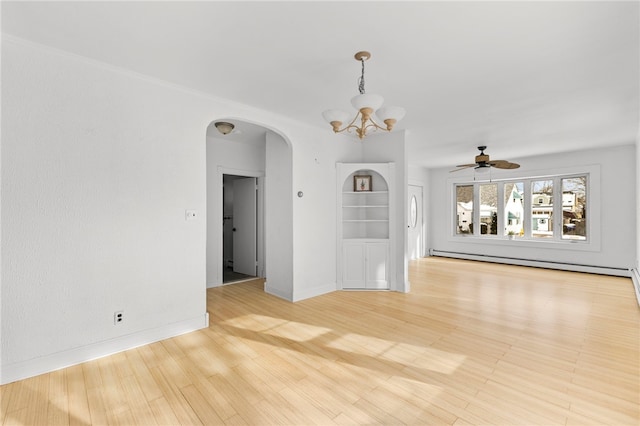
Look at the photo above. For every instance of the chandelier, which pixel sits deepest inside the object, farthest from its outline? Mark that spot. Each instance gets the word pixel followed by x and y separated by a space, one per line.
pixel 366 104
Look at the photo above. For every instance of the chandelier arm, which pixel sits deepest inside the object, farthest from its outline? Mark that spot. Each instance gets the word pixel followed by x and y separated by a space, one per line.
pixel 373 125
pixel 362 129
pixel 349 126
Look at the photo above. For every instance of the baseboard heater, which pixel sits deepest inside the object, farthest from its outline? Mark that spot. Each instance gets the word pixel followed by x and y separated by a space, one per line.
pixel 635 277
pixel 576 267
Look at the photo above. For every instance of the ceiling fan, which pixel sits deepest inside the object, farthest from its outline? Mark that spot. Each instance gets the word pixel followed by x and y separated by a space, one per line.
pixel 483 163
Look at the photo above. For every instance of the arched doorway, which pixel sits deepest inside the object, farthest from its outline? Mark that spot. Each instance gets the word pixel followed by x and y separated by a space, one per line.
pixel 252 150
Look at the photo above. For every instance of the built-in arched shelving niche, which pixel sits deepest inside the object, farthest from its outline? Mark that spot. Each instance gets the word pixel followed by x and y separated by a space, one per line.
pixel 365 205
pixel 365 225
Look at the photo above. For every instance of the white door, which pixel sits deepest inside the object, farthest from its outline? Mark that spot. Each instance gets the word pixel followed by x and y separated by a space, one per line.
pixel 414 236
pixel 244 226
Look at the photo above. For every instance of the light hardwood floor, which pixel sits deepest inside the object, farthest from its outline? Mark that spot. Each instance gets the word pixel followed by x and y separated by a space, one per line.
pixel 473 343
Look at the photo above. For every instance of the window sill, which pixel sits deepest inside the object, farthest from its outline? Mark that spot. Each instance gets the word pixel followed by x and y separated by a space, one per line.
pixel 539 243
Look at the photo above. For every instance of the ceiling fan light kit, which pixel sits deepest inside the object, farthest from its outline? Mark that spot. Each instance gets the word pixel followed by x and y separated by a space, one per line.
pixel 367 104
pixel 484 164
pixel 483 169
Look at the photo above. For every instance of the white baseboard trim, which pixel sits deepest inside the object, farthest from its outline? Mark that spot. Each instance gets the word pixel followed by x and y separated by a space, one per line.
pixel 635 277
pixel 33 367
pixel 313 292
pixel 603 270
pixel 275 292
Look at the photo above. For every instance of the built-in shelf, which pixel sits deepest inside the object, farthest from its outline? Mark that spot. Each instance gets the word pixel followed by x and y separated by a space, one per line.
pixel 364 226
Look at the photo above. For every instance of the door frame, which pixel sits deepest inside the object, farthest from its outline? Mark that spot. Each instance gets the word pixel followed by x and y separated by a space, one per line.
pixel 421 206
pixel 219 213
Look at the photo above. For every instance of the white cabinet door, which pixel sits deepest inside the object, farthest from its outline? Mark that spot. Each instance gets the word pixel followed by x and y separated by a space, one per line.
pixel 353 264
pixel 365 265
pixel 376 265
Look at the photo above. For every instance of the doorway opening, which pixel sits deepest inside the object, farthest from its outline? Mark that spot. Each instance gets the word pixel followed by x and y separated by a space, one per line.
pixel 251 151
pixel 415 234
pixel 239 228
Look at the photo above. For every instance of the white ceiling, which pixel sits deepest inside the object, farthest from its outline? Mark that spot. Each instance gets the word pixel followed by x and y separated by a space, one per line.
pixel 524 78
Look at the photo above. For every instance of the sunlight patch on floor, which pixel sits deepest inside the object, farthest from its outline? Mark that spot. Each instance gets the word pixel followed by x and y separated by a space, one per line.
pixel 411 355
pixel 292 330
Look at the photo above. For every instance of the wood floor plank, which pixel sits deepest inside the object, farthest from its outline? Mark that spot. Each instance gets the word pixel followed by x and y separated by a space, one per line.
pixel 313 414
pixel 162 412
pixel 6 393
pixel 206 413
pixel 78 404
pixel 58 408
pixel 214 396
pixel 249 412
pixel 112 392
pixel 171 392
pixel 96 406
pixel 140 409
pixel 141 371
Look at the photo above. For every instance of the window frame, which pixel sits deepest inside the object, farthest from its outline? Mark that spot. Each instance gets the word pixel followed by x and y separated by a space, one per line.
pixel 592 211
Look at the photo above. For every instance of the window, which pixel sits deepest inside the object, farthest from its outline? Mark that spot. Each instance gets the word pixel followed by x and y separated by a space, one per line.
pixel 514 208
pixel 541 209
pixel 464 209
pixel 489 209
pixel 574 208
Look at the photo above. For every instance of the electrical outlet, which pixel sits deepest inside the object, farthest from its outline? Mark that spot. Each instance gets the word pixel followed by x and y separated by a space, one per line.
pixel 118 317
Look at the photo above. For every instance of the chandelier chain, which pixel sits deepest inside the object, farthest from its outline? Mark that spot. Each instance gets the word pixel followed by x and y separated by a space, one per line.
pixel 361 79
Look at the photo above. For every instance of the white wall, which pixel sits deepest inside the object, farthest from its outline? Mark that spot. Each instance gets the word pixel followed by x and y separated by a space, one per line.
pixel 278 217
pixel 612 201
pixel 390 147
pixel 314 165
pixel 637 264
pixel 98 167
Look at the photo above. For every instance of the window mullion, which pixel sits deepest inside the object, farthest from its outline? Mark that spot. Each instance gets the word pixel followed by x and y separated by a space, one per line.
pixel 528 197
pixel 501 209
pixel 557 209
pixel 476 209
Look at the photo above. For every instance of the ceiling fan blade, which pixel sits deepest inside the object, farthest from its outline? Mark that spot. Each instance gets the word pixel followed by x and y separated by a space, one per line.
pixel 503 164
pixel 462 167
